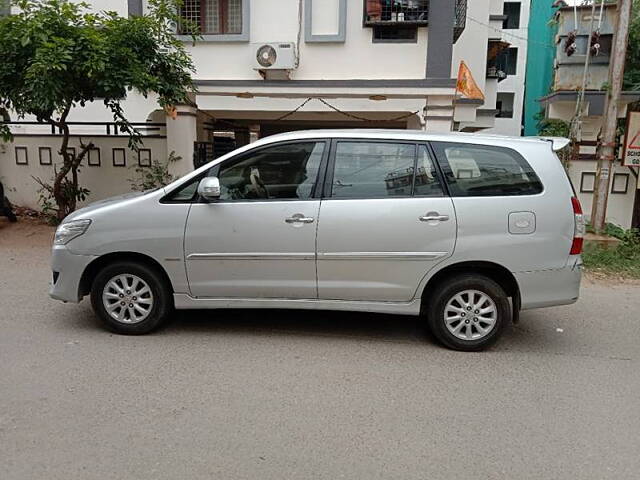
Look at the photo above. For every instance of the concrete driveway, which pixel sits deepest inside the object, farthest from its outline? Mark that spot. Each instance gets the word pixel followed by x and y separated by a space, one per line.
pixel 297 395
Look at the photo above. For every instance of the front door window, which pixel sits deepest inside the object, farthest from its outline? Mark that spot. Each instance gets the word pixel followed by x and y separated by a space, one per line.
pixel 282 172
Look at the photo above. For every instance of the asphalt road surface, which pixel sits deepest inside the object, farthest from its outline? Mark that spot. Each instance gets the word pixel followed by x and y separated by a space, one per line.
pixel 300 395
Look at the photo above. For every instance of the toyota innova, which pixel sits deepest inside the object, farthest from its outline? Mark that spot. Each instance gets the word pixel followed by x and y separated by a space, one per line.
pixel 463 230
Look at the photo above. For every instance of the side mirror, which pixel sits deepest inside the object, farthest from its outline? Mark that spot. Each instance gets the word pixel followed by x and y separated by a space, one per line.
pixel 209 188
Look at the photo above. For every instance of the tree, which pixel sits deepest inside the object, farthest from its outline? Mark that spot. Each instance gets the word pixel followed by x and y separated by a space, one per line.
pixel 632 64
pixel 57 55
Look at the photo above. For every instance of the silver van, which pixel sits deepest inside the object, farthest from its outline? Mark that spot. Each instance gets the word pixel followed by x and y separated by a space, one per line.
pixel 464 230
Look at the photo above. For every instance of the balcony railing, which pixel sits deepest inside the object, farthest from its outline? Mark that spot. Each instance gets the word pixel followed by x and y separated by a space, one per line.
pixel 409 12
pixel 461 19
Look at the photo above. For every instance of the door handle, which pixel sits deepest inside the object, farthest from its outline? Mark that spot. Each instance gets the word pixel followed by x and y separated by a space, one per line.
pixel 299 218
pixel 434 217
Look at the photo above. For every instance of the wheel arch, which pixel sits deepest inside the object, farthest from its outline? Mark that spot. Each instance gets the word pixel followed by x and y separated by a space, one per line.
pixel 102 261
pixel 499 274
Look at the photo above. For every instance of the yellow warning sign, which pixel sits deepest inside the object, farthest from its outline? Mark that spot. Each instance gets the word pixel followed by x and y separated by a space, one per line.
pixel 631 152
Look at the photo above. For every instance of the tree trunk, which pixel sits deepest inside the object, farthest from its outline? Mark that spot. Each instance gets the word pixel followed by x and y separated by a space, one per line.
pixel 65 190
pixel 59 194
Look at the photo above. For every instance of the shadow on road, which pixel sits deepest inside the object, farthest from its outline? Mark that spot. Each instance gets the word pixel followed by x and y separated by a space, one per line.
pixel 531 334
pixel 301 322
pixel 348 325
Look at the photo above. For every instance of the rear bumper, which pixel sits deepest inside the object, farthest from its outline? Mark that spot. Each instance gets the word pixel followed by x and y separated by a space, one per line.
pixel 68 269
pixel 547 288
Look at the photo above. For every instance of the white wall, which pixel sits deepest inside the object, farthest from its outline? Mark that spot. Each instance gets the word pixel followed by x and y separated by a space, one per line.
pixel 103 181
pixel 472 44
pixel 515 83
pixel 118 6
pixel 619 206
pixel 357 58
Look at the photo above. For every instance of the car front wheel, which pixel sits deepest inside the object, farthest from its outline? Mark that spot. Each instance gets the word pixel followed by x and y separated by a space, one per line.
pixel 131 298
pixel 468 312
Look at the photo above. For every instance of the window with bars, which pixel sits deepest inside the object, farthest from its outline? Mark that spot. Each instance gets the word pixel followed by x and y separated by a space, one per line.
pixel 401 11
pixel 211 17
pixel 380 14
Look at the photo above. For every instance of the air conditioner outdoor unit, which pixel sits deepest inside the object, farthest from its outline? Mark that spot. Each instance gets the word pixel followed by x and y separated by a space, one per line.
pixel 274 56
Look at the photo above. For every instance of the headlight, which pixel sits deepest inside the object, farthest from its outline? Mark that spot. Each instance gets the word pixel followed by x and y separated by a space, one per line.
pixel 68 231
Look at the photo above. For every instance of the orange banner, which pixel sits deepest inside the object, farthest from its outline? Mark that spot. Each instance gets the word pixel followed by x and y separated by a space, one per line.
pixel 466 84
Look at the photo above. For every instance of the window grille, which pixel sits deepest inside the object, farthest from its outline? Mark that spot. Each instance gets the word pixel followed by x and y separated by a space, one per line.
pixel 234 16
pixel 212 17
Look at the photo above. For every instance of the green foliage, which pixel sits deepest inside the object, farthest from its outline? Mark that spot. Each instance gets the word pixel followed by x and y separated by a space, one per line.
pixel 155 176
pixel 622 260
pixel 57 55
pixel 615 231
pixel 549 127
pixel 632 65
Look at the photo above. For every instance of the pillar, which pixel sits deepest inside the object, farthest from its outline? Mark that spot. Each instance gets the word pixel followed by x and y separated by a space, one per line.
pixel 242 137
pixel 438 113
pixel 254 133
pixel 182 132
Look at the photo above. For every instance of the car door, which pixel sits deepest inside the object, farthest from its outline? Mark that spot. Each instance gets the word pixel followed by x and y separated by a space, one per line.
pixel 385 221
pixel 258 239
pixel 505 214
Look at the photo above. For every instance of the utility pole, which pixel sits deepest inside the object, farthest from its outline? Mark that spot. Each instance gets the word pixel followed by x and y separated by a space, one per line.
pixel 607 144
pixel 576 121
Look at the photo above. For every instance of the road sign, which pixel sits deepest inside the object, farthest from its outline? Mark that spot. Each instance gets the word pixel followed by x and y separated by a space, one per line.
pixel 631 152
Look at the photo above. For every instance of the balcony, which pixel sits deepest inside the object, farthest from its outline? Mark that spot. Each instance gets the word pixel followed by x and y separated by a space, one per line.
pixel 409 12
pixel 499 61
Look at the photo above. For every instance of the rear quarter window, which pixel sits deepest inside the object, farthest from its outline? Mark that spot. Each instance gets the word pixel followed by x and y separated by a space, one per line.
pixel 483 170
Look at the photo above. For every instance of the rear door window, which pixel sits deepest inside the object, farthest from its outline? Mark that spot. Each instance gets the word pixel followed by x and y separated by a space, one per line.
pixel 373 169
pixel 483 170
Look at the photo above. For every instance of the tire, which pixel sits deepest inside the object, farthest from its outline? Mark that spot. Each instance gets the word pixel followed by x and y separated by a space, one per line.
pixel 452 299
pixel 151 306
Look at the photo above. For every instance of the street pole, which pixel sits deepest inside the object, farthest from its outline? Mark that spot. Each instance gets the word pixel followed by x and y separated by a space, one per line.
pixel 606 146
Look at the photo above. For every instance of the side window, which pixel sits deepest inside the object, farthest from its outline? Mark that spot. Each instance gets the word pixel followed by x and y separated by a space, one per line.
pixel 186 193
pixel 373 170
pixel 284 172
pixel 481 170
pixel 427 183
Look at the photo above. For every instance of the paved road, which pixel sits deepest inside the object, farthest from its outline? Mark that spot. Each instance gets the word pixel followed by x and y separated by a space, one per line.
pixel 280 395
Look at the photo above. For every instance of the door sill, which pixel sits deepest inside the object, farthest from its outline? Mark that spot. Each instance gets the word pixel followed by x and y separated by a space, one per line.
pixel 186 302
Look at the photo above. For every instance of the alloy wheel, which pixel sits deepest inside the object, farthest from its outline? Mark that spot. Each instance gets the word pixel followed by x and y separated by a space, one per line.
pixel 470 315
pixel 127 298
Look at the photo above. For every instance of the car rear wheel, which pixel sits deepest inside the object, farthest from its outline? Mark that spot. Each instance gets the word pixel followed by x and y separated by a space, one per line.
pixel 468 312
pixel 131 298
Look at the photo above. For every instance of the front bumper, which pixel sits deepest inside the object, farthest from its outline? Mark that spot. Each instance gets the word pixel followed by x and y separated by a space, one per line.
pixel 548 288
pixel 68 269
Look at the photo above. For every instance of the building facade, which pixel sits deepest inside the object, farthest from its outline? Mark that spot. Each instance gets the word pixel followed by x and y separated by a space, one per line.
pixel 574 27
pixel 508 64
pixel 262 70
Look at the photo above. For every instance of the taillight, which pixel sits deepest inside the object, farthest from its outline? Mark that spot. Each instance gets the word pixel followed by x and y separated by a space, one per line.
pixel 578 228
